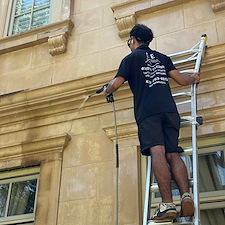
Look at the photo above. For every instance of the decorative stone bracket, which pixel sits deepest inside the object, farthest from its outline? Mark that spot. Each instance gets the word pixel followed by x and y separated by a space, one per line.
pixel 57 44
pixel 218 5
pixel 125 25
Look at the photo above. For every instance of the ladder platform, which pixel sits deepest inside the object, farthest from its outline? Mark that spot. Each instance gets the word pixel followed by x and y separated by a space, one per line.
pixel 179 221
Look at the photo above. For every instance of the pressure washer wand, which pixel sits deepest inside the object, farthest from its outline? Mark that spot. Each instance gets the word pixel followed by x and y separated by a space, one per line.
pixel 101 89
pixel 98 91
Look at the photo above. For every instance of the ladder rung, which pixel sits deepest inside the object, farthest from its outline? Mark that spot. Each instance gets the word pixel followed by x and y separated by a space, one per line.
pixel 185 60
pixel 186 121
pixel 183 53
pixel 154 186
pixel 187 152
pixel 183 223
pixel 157 223
pixel 188 71
pixel 181 95
pixel 184 220
pixel 183 102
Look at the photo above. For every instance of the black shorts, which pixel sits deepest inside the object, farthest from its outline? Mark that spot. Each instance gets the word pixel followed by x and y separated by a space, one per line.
pixel 159 129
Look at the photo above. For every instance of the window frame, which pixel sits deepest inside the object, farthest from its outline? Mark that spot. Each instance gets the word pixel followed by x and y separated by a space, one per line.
pixel 11 18
pixel 12 9
pixel 19 176
pixel 58 30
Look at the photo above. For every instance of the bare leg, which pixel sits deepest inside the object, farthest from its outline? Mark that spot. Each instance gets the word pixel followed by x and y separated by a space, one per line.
pixel 180 175
pixel 179 171
pixel 161 172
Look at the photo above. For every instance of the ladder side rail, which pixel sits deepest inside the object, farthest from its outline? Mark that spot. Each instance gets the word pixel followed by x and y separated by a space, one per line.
pixel 147 191
pixel 195 158
pixel 194 136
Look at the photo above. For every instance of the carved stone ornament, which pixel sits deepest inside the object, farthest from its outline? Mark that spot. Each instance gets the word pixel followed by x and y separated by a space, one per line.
pixel 125 25
pixel 218 5
pixel 57 44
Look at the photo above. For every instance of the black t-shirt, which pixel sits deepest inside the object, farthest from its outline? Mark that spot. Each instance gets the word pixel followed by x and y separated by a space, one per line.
pixel 147 74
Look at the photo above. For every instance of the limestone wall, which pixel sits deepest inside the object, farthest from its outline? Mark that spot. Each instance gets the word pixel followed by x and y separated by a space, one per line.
pixel 41 122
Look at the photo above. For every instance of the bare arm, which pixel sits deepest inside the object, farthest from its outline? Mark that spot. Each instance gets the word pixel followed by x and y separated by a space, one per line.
pixel 184 79
pixel 113 85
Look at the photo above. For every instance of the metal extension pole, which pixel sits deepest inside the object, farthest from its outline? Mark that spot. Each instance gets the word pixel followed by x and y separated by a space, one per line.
pixel 147 191
pixel 117 166
pixel 111 99
pixel 194 135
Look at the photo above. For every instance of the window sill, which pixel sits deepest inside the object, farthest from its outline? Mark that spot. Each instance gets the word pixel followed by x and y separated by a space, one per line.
pixel 55 34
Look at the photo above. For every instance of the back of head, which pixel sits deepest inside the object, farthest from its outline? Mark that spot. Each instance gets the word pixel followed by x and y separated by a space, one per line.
pixel 142 33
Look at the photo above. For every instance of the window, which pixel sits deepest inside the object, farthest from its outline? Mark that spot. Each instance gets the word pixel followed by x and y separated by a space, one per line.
pixel 18 199
pixel 28 14
pixel 213 216
pixel 28 23
pixel 211 184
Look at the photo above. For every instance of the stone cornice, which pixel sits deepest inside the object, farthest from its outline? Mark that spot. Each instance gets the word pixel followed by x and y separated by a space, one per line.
pixel 44 97
pixel 55 34
pixel 124 131
pixel 37 149
pixel 126 13
pixel 141 7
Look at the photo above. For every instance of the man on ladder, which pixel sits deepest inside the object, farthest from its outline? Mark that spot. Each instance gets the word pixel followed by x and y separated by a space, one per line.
pixel 147 73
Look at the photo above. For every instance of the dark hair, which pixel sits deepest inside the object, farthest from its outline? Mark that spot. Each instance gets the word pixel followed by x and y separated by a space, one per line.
pixel 142 33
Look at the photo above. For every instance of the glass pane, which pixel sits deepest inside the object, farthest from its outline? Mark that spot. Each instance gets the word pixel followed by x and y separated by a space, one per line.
pixel 22 198
pixel 213 217
pixel 21 24
pixel 23 6
pixel 212 172
pixel 3 198
pixel 40 18
pixel 41 3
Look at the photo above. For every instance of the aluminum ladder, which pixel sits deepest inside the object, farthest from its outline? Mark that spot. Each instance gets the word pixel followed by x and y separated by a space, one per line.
pixel 185 59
